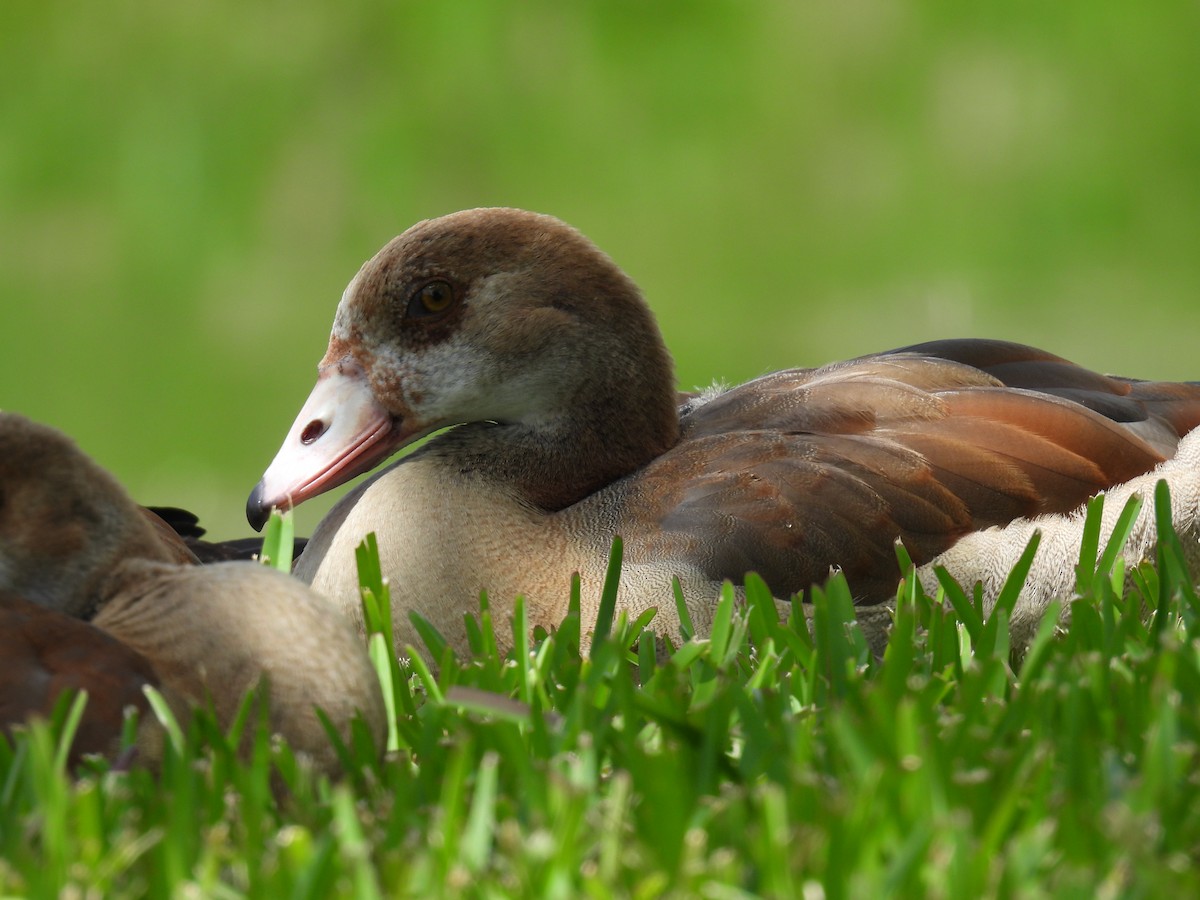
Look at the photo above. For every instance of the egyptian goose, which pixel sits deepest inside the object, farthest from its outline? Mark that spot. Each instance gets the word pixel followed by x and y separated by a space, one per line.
pixel 516 330
pixel 93 587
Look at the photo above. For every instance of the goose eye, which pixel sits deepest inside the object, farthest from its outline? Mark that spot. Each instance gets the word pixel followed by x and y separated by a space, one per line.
pixel 430 299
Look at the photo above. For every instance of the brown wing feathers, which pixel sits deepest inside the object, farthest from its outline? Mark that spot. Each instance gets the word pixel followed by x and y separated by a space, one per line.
pixel 1066 451
pixel 45 652
pixel 807 469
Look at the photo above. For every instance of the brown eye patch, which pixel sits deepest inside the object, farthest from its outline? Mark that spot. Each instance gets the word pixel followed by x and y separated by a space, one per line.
pixel 431 299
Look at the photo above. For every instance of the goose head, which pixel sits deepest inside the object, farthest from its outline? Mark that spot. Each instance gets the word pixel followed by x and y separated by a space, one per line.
pixel 496 316
pixel 65 523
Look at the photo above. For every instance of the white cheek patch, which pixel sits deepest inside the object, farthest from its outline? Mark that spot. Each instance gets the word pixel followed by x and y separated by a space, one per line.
pixel 444 382
pixel 457 381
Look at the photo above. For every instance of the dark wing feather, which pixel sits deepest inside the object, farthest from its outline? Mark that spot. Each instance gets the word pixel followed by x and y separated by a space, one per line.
pixel 181 531
pixel 802 471
pixel 1161 412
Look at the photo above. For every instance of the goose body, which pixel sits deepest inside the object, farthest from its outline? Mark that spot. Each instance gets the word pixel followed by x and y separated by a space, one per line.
pixel 567 431
pixel 97 593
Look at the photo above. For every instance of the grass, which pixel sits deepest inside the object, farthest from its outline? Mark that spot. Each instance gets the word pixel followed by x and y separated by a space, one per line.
pixel 767 759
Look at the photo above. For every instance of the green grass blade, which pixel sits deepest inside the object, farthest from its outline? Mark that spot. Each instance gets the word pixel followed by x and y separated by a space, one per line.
pixel 430 636
pixel 1089 547
pixel 279 541
pixel 522 650
pixel 969 614
pixel 1122 529
pixel 608 596
pixel 478 834
pixel 70 728
pixel 995 632
pixel 686 630
pixel 352 841
pixel 166 718
pixel 1175 579
pixel 383 660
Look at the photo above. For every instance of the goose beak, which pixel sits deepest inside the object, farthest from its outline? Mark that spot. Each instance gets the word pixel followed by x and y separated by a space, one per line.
pixel 342 431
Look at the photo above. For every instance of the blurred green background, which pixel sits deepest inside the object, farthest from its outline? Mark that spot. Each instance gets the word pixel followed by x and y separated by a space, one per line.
pixel 185 189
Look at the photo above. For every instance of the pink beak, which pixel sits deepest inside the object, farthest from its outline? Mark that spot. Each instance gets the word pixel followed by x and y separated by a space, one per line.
pixel 341 431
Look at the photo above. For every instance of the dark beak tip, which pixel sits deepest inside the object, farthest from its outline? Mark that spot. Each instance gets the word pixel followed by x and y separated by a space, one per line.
pixel 256 512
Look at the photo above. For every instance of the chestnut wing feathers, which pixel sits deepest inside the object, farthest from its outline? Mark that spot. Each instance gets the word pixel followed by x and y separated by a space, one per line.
pixel 45 652
pixel 805 470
